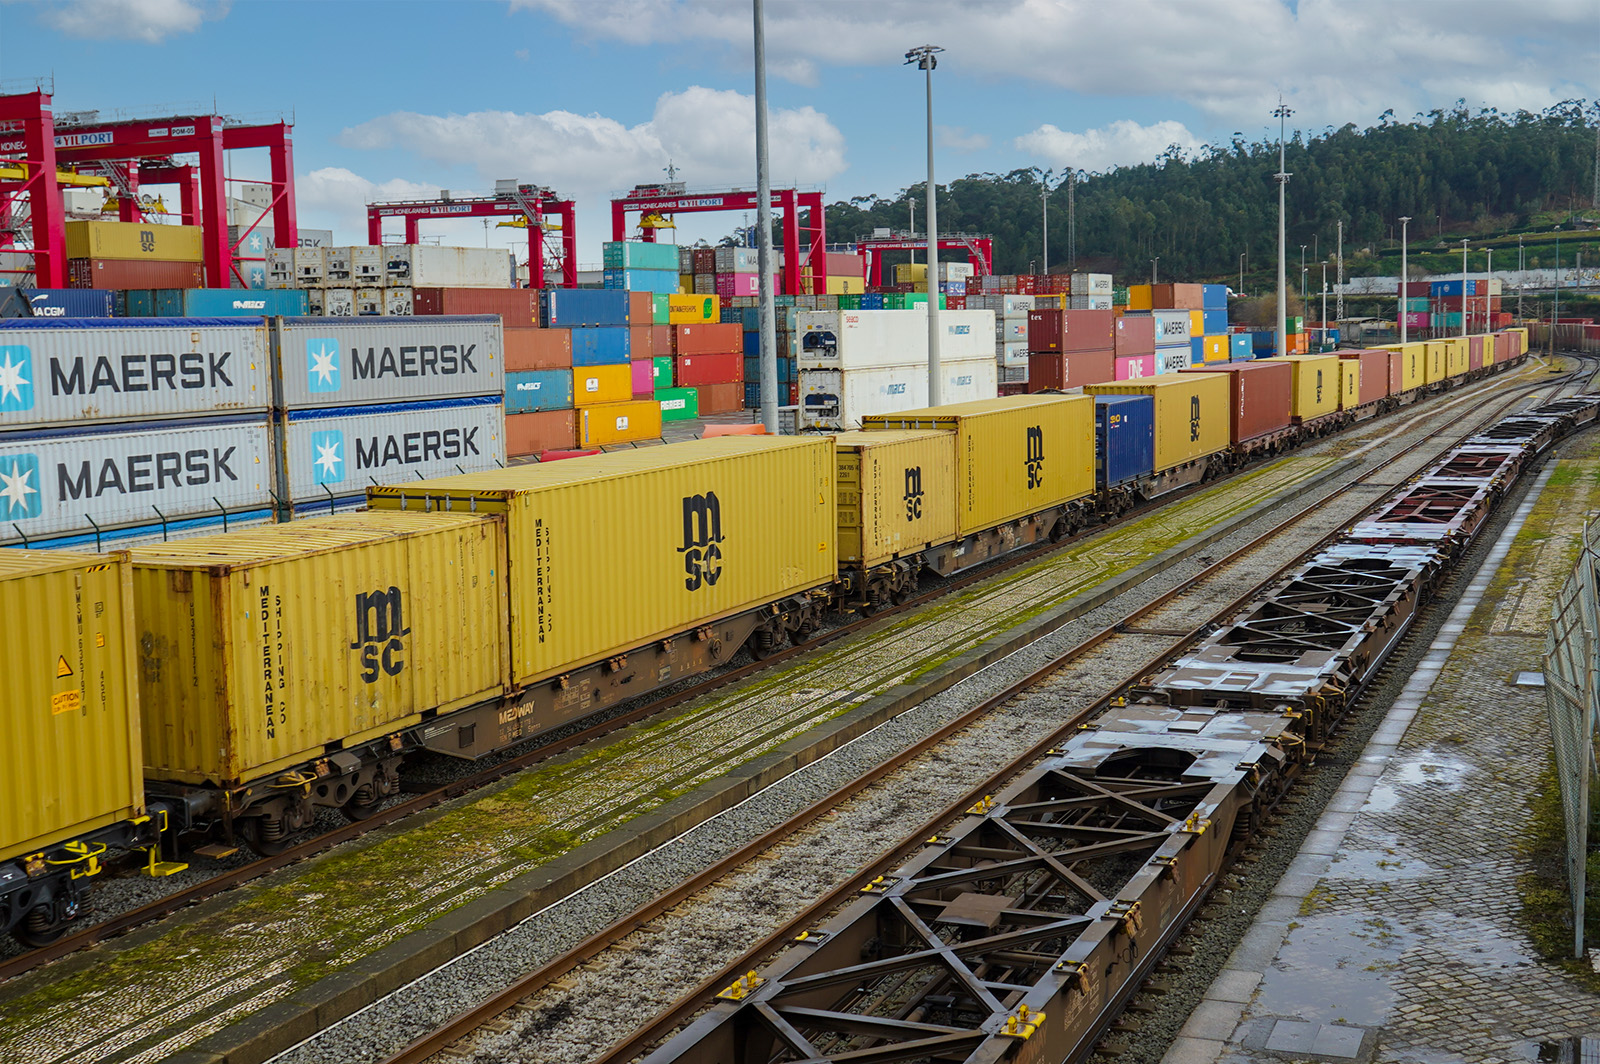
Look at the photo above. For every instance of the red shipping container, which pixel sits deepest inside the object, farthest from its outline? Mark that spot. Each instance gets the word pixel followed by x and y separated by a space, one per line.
pixel 718 339
pixel 1136 367
pixel 1474 353
pixel 1060 370
pixel 529 348
pixel 644 378
pixel 1375 372
pixel 692 371
pixel 133 273
pixel 547 430
pixel 1134 335
pixel 794 395
pixel 703 260
pixel 720 398
pixel 641 308
pixel 1027 285
pixel 955 302
pixel 1065 331
pixel 1013 389
pixel 516 306
pixel 1177 297
pixel 641 341
pixel 1260 393
pixel 660 340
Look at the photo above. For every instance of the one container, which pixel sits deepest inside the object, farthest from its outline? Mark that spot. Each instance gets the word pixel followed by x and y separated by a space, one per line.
pixel 1191 412
pixel 68 371
pixel 1134 335
pixel 602 384
pixel 835 399
pixel 1177 296
pixel 643 377
pixel 427 266
pixel 1173 326
pixel 1014 456
pixel 1259 396
pixel 638 255
pixel 516 306
pixel 130 240
pixel 397 302
pixel 63 303
pixel 1214 297
pixel 1316 385
pixel 66 481
pixel 720 398
pixel 897 494
pixel 669 539
pixel 1062 370
pixel 696 370
pixel 716 339
pixel 660 282
pixel 549 430
pixel 330 362
pixel 1214 322
pixel 1239 347
pixel 1174 359
pixel 1374 378
pixel 368 264
pixel 1135 367
pixel 360 623
pixel 69 734
pixel 540 389
pixel 1125 439
pixel 342 451
pixel 1412 362
pixel 133 273
pixel 641 342
pixel 1435 361
pixel 1070 331
pixel 1213 348
pixel 1349 384
pixel 603 345
pixel 678 404
pixel 1458 357
pixel 530 349
pixel 567 308
pixel 661 370
pixel 702 309
pixel 660 309
pixel 612 423
pixel 230 303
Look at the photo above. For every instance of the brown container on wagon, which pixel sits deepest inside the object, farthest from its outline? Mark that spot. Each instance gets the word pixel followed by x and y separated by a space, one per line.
pixel 1058 370
pixel 1177 297
pixel 1071 330
pixel 547 430
pixel 1379 376
pixel 133 273
pixel 528 348
pixel 1134 334
pixel 1258 396
pixel 517 307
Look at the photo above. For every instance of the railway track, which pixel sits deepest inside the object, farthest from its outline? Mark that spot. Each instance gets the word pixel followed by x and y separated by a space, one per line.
pixel 1150 634
pixel 563 742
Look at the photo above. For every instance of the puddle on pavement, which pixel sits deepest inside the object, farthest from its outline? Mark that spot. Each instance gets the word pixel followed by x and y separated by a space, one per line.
pixel 1430 769
pixel 1334 969
pixel 1579 1049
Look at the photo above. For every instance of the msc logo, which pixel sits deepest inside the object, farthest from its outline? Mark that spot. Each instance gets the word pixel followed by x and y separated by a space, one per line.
pixel 322 364
pixel 147 240
pixel 380 633
pixel 964 381
pixel 19 486
pixel 1035 459
pixel 1319 386
pixel 702 536
pixel 1194 419
pixel 913 494
pixel 16 378
pixel 328 465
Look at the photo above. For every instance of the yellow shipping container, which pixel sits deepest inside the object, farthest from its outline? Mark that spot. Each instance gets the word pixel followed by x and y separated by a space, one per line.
pixel 1197 323
pixel 1349 383
pixel 609 423
pixel 69 724
pixel 1191 409
pixel 1413 364
pixel 1488 350
pixel 1214 348
pixel 602 384
pixel 1457 357
pixel 1435 359
pixel 1140 297
pixel 129 240
pixel 897 494
pixel 683 309
pixel 846 286
pixel 259 648
pixel 1316 385
pixel 1015 456
pixel 911 273
pixel 615 551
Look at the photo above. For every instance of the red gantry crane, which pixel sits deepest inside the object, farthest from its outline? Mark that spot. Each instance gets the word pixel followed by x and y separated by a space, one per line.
pixel 540 209
pixel 979 249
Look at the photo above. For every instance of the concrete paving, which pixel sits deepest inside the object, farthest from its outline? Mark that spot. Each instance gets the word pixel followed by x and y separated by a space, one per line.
pixel 1394 935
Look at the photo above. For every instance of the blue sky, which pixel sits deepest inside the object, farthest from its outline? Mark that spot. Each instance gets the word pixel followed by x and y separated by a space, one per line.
pixel 397 99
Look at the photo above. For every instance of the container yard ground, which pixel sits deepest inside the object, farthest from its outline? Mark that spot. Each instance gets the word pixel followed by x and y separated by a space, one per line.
pixel 1398 933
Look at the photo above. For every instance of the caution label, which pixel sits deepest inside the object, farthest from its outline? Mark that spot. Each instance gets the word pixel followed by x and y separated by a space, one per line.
pixel 65 702
pixel 62 668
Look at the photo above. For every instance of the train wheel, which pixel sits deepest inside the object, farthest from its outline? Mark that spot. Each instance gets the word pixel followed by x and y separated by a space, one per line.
pixel 362 806
pixel 42 926
pixel 763 644
pixel 268 837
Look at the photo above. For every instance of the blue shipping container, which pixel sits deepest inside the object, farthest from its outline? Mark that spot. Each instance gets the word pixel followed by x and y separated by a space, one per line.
pixel 1125 438
pixel 568 308
pixel 783 318
pixel 62 303
pixel 872 301
pixel 1263 341
pixel 752 345
pixel 659 282
pixel 1239 347
pixel 544 389
pixel 601 345
pixel 1214 322
pixel 1197 350
pixel 786 370
pixel 230 303
pixel 639 255
pixel 141 303
pixel 1213 297
pixel 752 395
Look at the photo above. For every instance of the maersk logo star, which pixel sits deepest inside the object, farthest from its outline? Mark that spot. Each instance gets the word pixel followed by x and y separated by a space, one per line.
pixel 328 465
pixel 16 378
pixel 322 365
pixel 19 487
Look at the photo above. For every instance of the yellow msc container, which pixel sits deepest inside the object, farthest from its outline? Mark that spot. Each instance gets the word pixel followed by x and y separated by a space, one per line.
pixel 685 309
pixel 846 286
pixel 259 648
pixel 1435 359
pixel 1015 456
pixel 1413 364
pixel 602 384
pixel 911 273
pixel 1191 409
pixel 897 494
pixel 1457 356
pixel 1214 348
pixel 611 423
pixel 1316 385
pixel 614 551
pixel 69 721
pixel 1349 383
pixel 1140 297
pixel 130 240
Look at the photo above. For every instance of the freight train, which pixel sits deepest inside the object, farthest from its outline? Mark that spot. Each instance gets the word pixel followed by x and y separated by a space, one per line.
pixel 1017 933
pixel 235 684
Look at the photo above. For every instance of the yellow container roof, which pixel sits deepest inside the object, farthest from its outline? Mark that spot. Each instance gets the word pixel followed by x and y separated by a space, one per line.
pixel 975 408
pixel 270 543
pixel 17 561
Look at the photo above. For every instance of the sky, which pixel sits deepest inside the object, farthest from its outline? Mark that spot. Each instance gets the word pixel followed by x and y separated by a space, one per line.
pixel 396 99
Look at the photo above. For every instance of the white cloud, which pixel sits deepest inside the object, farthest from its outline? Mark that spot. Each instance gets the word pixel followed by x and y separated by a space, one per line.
pixel 1123 142
pixel 150 21
pixel 957 138
pixel 336 198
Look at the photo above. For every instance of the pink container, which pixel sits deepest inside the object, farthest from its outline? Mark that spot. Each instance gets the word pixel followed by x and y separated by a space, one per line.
pixel 644 378
pixel 738 284
pixel 1417 319
pixel 1133 367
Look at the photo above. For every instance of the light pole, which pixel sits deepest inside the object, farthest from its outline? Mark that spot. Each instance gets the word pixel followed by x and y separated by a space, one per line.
pixel 1404 278
pixel 1044 200
pixel 1154 263
pixel 1522 281
pixel 1463 287
pixel 1302 277
pixel 1241 273
pixel 1338 284
pixel 1324 292
pixel 768 315
pixel 1282 113
pixel 1555 301
pixel 1488 288
pixel 926 58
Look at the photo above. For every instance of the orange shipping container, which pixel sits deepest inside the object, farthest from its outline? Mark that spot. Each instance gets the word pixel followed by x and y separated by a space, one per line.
pixel 547 430
pixel 630 422
pixel 724 338
pixel 529 348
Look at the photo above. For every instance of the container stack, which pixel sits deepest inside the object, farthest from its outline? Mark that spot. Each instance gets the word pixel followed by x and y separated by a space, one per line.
pixel 1070 348
pixel 121 255
pixel 598 323
pixel 1010 335
pixel 1134 347
pixel 380 281
pixel 788 350
pixel 707 353
pixel 638 266
pixel 1416 306
pixel 1091 291
pixel 1210 342
pixel 1295 337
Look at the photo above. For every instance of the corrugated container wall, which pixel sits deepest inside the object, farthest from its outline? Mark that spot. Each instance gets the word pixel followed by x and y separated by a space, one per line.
pixel 426 266
pixel 69 733
pixel 1435 361
pixel 339 362
pixel 1259 397
pixel 1014 456
pixel 1191 414
pixel 612 423
pixel 129 240
pixel 897 494
pixel 1375 373
pixel 363 621
pixel 669 538
pixel 1316 385
pixel 1125 438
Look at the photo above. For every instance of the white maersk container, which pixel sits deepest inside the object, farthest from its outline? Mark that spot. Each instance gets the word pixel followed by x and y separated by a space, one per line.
pixel 336 267
pixel 280 268
pixel 310 267
pixel 1091 284
pixel 955 271
pixel 1012 355
pixel 1172 326
pixel 1173 359
pixel 367 266
pixel 852 339
pixel 332 363
pixel 369 302
pixel 423 266
pixel 735 260
pixel 834 400
pixel 1096 302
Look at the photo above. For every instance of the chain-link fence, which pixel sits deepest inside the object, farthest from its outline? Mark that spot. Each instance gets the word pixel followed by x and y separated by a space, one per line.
pixel 1572 658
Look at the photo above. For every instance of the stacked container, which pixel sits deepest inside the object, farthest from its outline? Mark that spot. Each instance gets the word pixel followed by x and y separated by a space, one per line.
pixel 1010 333
pixel 129 255
pixel 709 357
pixel 639 266
pixel 1070 348
pixel 1091 291
pixel 787 350
pixel 605 410
pixel 381 281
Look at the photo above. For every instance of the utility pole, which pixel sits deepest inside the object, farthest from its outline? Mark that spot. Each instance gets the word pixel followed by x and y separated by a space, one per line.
pixel 1404 223
pixel 926 59
pixel 1324 291
pixel 1072 218
pixel 1153 264
pixel 1241 273
pixel 1555 301
pixel 1488 289
pixel 1044 198
pixel 1522 282
pixel 1282 113
pixel 1339 283
pixel 769 322
pixel 1464 283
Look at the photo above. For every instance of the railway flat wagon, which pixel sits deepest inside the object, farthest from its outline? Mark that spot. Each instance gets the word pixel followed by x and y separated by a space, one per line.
pixel 897 499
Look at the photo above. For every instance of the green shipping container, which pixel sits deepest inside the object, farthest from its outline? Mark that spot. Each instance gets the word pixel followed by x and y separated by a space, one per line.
pixel 1295 326
pixel 639 255
pixel 850 302
pixel 662 372
pixel 678 404
pixel 660 309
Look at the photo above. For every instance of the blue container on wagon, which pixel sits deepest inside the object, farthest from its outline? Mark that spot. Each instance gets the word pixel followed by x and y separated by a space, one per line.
pixel 1125 438
pixel 601 345
pixel 230 302
pixel 56 303
pixel 570 308
pixel 1213 297
pixel 540 389
pixel 1240 348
